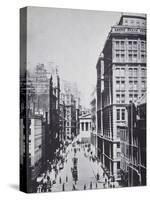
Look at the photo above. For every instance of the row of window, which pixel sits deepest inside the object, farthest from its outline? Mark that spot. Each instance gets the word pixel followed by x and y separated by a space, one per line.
pixel 130 44
pixel 133 72
pixel 135 22
pixel 133 57
pixel 120 85
pixel 133 85
pixel 120 98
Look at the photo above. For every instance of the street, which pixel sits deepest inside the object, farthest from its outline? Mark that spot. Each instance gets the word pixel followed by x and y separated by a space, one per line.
pixel 80 170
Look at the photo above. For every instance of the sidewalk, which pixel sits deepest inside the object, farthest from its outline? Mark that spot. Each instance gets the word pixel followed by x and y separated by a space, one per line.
pixel 98 169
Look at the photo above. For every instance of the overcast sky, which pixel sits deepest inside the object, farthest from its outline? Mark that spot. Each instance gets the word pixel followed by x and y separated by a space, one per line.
pixel 71 39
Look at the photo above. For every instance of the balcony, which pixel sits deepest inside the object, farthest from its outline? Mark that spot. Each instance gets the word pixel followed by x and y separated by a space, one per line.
pixel 128 30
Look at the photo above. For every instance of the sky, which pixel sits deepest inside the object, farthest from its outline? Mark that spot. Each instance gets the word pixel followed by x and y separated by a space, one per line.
pixel 71 39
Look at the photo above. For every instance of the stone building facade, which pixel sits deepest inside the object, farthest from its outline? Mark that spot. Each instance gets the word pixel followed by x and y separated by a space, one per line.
pixel 121 79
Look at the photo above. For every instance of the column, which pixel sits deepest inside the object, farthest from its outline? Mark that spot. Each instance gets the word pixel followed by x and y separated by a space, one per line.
pixel 84 126
pixel 103 153
pixel 110 167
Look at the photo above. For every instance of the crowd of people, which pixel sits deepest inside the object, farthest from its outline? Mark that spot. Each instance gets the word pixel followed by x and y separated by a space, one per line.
pixel 48 179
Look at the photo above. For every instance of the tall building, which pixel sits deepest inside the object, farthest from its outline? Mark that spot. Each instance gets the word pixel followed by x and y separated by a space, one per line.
pixel 70 116
pixel 133 145
pixel 40 80
pixel 121 79
pixel 93 121
pixel 62 118
pixel 72 107
pixel 54 116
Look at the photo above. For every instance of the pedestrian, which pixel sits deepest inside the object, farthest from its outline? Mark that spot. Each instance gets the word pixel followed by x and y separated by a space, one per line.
pixel 97 176
pixel 96 184
pixel 73 188
pixel 48 183
pixel 103 185
pixel 66 179
pixel 91 185
pixel 60 180
pixel 63 187
pixel 105 180
pixel 84 186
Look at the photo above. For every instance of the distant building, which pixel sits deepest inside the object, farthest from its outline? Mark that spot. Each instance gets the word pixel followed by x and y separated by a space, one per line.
pixel 85 128
pixel 121 79
pixel 70 116
pixel 62 118
pixel 93 121
pixel 54 116
pixel 72 107
pixel 40 81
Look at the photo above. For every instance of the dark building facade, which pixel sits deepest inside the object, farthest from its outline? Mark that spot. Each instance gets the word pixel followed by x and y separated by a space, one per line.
pixel 54 115
pixel 133 146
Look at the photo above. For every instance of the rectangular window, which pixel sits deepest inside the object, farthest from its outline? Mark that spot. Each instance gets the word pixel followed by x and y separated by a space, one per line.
pixel 122 57
pixel 122 98
pixel 130 85
pixel 118 163
pixel 135 44
pixel 117 56
pixel 142 57
pixel 143 45
pixel 129 44
pixel 118 154
pixel 135 97
pixel 130 98
pixel 143 85
pixel 122 44
pixel 118 145
pixel 122 85
pixel 135 72
pixel 122 72
pixel 135 85
pixel 118 98
pixel 117 85
pixel 118 133
pixel 117 71
pixel 117 44
pixel 134 57
pixel 123 114
pixel 130 72
pixel 130 57
pixel 143 72
pixel 118 114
